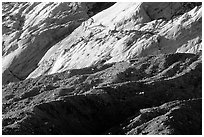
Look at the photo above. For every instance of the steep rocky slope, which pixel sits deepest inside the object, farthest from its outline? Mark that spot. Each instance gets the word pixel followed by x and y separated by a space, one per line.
pixel 102 68
pixel 131 30
pixel 38 37
pixel 108 99
pixel 31 29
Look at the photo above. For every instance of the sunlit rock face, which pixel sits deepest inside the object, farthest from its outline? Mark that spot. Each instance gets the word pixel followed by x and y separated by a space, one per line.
pixel 102 68
pixel 46 38
pixel 125 31
pixel 31 29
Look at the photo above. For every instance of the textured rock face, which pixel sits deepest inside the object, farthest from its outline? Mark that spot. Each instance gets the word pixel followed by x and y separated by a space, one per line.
pixel 36 38
pixel 99 68
pixel 110 99
pixel 132 30
pixel 170 118
pixel 31 29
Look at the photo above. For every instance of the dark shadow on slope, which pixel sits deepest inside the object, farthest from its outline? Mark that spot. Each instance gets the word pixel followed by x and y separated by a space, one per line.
pixel 101 108
pixel 96 7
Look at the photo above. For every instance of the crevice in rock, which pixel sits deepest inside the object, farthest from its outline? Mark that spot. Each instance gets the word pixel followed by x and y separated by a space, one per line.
pixel 15 75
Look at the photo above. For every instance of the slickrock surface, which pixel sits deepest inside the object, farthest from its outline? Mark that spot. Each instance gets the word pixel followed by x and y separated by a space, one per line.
pixel 102 68
pixel 95 100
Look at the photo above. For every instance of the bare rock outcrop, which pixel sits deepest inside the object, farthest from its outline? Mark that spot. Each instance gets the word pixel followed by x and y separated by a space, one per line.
pixel 125 31
pixel 75 68
pixel 31 29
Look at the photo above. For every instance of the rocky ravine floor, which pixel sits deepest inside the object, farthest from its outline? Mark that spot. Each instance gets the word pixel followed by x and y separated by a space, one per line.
pixel 149 95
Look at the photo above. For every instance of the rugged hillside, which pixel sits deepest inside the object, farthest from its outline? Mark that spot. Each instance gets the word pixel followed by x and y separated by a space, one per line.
pixel 108 99
pixel 102 68
pixel 31 29
pixel 38 37
pixel 129 31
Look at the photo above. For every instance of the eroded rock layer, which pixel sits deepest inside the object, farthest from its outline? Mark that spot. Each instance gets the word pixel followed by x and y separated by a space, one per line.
pixel 102 68
pixel 110 99
pixel 46 38
pixel 31 29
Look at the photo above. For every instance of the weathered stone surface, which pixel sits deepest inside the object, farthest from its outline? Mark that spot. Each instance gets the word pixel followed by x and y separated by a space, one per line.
pixel 125 31
pixel 99 68
pixel 96 100
pixel 36 38
pixel 31 29
pixel 172 118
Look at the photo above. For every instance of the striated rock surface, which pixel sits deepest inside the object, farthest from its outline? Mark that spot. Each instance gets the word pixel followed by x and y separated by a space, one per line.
pixel 110 99
pixel 31 29
pixel 125 31
pixel 36 38
pixel 101 68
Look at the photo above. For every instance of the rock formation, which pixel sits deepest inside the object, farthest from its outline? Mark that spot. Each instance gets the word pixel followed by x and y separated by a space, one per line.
pixel 31 29
pixel 129 32
pixel 94 100
pixel 102 68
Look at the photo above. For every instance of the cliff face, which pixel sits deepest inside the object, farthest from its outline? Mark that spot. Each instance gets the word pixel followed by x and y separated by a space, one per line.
pixel 102 68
